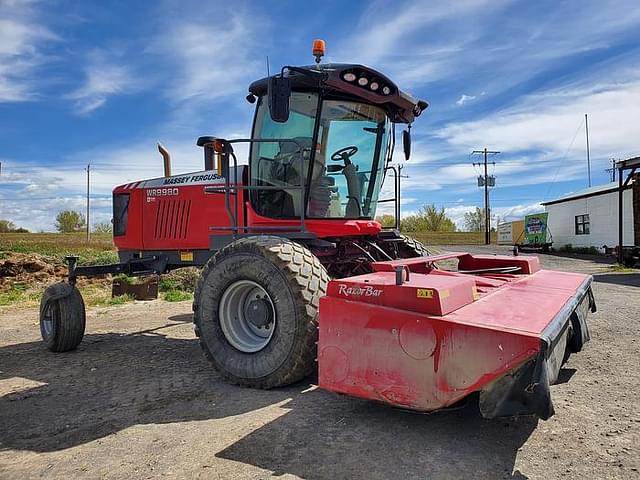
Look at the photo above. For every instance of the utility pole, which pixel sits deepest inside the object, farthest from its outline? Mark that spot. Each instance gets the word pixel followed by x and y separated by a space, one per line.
pixel 88 169
pixel 486 181
pixel 586 126
pixel 612 169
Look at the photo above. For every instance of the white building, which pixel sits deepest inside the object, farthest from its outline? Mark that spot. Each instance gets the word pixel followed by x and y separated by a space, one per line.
pixel 589 217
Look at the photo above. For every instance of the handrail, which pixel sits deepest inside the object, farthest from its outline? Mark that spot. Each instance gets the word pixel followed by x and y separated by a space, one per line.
pixel 395 199
pixel 233 220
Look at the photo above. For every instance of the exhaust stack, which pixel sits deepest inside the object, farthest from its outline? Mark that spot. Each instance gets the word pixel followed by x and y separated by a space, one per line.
pixel 166 156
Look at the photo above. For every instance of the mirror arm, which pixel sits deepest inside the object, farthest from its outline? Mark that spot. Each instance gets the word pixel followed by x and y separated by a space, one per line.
pixel 315 74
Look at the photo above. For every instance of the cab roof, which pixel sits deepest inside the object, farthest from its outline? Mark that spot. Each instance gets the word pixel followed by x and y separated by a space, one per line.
pixel 401 106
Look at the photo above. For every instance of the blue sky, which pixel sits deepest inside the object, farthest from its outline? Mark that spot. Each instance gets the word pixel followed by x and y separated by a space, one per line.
pixel 102 82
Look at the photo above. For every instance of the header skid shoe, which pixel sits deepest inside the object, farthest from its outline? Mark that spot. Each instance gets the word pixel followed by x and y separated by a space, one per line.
pixel 429 339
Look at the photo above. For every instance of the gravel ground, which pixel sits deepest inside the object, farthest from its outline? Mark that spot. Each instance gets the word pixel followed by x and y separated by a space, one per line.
pixel 138 400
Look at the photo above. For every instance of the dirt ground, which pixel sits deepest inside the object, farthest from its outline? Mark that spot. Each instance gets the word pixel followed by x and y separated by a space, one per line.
pixel 139 400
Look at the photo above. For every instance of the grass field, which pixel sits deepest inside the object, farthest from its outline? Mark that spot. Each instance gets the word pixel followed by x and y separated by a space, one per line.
pixel 100 247
pixel 452 238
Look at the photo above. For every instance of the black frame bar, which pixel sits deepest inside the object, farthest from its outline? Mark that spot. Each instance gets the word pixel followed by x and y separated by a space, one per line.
pixel 628 164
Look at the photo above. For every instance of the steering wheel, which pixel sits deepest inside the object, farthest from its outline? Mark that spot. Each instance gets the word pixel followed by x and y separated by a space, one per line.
pixel 344 154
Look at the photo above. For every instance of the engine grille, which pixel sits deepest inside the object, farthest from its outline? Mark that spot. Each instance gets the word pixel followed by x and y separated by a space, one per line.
pixel 172 218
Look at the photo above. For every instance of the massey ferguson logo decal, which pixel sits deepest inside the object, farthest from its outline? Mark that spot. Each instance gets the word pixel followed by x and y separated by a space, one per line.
pixel 357 291
pixel 192 179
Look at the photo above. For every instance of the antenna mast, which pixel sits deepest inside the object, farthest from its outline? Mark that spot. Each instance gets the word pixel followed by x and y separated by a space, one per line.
pixel 586 126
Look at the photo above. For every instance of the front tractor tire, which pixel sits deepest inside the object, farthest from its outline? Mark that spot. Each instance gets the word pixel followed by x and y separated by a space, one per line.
pixel 256 311
pixel 62 317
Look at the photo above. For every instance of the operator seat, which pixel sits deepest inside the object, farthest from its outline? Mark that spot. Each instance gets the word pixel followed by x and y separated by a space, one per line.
pixel 285 170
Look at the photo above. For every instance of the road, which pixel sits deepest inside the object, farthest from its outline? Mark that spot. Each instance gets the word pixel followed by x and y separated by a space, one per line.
pixel 138 400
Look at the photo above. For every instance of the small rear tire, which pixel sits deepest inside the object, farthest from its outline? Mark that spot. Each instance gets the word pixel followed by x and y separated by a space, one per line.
pixel 62 317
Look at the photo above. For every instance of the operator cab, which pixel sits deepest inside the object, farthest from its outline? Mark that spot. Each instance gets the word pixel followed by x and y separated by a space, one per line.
pixel 326 138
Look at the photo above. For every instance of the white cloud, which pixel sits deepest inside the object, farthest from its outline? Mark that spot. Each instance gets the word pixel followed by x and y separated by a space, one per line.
pixel 211 63
pixel 44 191
pixel 422 42
pixel 104 77
pixel 22 38
pixel 547 122
pixel 40 215
pixel 408 42
pixel 464 99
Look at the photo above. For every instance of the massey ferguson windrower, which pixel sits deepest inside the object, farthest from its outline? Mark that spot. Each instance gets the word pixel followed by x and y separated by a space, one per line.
pixel 297 270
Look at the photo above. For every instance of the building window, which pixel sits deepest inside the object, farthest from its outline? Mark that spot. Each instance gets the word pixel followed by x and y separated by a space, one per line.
pixel 582 224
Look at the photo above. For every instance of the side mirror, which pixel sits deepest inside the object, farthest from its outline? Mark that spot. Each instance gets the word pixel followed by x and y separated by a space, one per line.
pixel 279 92
pixel 406 143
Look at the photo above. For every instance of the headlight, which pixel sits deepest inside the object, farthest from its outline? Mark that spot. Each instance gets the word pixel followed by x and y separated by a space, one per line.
pixel 374 86
pixel 349 77
pixel 386 90
pixel 362 81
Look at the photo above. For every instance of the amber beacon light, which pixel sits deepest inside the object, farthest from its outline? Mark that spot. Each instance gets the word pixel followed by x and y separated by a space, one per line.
pixel 319 47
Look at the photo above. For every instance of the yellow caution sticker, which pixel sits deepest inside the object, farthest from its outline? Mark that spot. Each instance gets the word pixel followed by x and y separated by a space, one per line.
pixel 186 256
pixel 424 292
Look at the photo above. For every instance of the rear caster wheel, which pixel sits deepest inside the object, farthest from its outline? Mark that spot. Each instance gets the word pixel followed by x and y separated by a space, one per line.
pixel 62 317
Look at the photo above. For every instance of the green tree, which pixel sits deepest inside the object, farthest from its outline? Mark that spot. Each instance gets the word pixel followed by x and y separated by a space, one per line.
pixel 103 227
pixel 435 220
pixel 411 223
pixel 7 226
pixel 428 219
pixel 68 221
pixel 474 220
pixel 386 220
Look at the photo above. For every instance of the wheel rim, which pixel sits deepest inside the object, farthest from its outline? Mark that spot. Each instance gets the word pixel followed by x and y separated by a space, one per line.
pixel 47 320
pixel 247 316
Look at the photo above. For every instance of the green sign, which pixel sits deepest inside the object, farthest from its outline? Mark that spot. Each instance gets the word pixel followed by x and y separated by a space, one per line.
pixel 535 228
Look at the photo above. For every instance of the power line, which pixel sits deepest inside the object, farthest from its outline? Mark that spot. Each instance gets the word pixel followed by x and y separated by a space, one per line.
pixel 71 196
pixel 560 164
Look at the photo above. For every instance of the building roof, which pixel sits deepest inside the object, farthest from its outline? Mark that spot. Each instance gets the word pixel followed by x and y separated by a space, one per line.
pixel 628 163
pixel 585 193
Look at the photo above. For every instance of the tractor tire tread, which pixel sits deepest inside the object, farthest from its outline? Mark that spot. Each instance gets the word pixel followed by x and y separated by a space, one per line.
pixel 413 247
pixel 302 268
